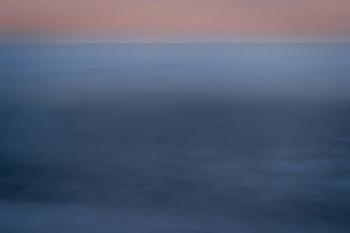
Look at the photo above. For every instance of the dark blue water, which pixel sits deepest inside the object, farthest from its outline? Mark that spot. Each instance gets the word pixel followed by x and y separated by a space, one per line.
pixel 174 138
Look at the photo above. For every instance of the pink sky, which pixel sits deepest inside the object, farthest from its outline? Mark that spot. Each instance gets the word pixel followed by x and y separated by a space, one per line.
pixel 176 16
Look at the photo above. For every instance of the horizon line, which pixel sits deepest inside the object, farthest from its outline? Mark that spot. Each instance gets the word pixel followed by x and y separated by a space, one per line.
pixel 25 38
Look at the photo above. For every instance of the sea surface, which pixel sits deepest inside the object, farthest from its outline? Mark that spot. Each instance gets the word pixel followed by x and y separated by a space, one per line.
pixel 174 138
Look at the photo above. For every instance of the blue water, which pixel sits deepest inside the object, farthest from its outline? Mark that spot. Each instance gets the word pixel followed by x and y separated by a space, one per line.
pixel 174 138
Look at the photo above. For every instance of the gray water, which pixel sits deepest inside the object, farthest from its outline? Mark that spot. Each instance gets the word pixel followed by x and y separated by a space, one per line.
pixel 174 138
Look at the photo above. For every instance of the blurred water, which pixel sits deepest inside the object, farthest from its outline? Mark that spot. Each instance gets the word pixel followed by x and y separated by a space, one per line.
pixel 174 138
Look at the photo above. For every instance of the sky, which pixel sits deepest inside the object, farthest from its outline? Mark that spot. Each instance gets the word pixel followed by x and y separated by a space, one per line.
pixel 176 16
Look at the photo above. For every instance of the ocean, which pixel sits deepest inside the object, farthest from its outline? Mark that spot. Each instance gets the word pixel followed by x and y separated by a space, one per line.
pixel 176 138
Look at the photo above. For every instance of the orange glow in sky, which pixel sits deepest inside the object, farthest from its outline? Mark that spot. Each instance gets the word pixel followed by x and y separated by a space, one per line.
pixel 176 16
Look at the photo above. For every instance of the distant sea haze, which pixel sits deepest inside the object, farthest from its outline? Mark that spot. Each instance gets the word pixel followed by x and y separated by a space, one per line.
pixel 171 38
pixel 180 137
